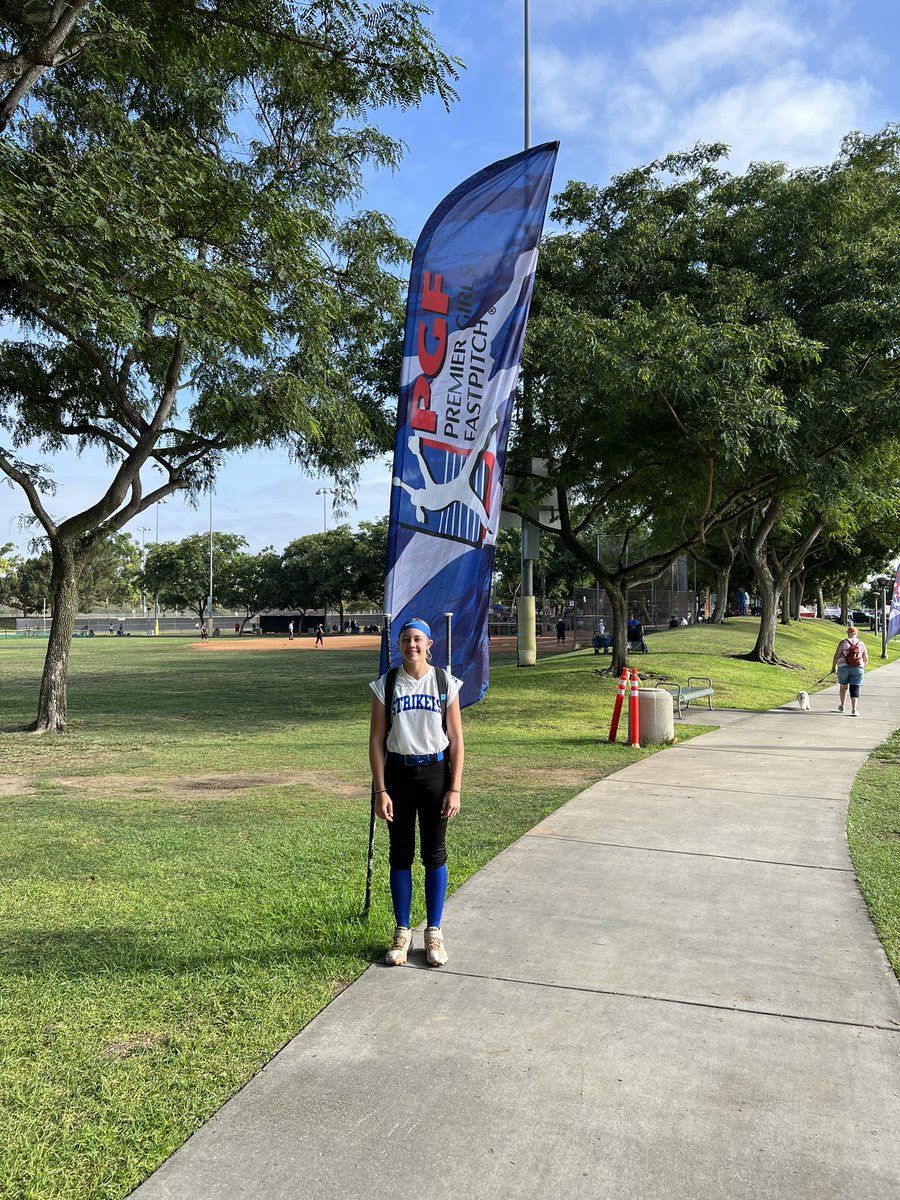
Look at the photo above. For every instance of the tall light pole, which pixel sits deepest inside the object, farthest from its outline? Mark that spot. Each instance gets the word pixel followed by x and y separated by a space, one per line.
pixel 156 591
pixel 143 530
pixel 210 596
pixel 323 492
pixel 526 635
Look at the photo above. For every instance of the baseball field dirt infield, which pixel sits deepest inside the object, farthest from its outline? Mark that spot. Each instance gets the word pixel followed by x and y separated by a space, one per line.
pixel 360 641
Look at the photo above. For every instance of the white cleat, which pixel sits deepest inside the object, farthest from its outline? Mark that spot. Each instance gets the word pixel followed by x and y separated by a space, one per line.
pixel 396 956
pixel 435 954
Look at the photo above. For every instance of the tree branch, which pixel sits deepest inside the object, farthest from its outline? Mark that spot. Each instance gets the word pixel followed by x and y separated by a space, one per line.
pixel 315 44
pixel 90 351
pixel 675 417
pixel 127 478
pixel 31 492
pixel 29 64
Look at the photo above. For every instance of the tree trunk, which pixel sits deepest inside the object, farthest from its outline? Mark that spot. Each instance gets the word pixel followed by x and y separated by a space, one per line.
pixel 772 587
pixel 797 593
pixel 52 701
pixel 769 595
pixel 845 602
pixel 820 602
pixel 786 606
pixel 764 650
pixel 723 579
pixel 618 602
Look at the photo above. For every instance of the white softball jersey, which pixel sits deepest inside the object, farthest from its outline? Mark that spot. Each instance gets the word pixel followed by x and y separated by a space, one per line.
pixel 416 726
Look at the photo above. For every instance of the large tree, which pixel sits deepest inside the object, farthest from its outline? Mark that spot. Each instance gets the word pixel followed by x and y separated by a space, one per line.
pixel 179 572
pixel 642 401
pixel 9 559
pixel 819 249
pixel 26 585
pixel 704 347
pixel 110 574
pixel 369 559
pixel 321 569
pixel 252 582
pixel 180 260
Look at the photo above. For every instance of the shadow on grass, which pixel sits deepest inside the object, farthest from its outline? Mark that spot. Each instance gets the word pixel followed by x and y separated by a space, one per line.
pixel 233 701
pixel 122 951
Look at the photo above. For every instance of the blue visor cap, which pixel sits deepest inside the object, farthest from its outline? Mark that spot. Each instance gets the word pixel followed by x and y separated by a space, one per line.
pixel 415 623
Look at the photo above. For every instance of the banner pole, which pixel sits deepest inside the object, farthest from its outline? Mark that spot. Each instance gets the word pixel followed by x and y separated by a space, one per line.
pixel 527 96
pixel 884 617
pixel 370 860
pixel 448 633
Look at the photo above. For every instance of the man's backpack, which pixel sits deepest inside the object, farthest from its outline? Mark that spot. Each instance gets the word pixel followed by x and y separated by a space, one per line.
pixel 854 655
pixel 390 682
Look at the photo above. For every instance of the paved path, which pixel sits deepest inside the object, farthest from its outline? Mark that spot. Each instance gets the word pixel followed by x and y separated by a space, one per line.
pixel 669 989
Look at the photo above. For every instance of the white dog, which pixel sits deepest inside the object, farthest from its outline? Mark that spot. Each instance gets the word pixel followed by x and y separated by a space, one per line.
pixel 803 701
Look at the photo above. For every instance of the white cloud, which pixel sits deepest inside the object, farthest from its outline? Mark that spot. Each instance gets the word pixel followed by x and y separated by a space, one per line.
pixel 792 116
pixel 857 56
pixel 568 92
pixel 562 12
pixel 755 76
pixel 570 12
pixel 741 39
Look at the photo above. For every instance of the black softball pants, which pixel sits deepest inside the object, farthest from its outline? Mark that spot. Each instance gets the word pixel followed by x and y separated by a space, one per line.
pixel 418 791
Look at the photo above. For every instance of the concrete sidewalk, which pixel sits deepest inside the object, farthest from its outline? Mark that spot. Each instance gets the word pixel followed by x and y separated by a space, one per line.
pixel 668 989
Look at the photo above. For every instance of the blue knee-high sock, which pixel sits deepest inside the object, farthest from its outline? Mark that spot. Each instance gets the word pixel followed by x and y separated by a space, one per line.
pixel 401 895
pixel 435 891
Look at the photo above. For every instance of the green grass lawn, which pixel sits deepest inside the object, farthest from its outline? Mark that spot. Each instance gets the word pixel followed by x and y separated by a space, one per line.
pixel 873 828
pixel 182 872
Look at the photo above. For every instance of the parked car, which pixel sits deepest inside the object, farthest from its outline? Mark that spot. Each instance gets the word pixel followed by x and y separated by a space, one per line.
pixel 861 617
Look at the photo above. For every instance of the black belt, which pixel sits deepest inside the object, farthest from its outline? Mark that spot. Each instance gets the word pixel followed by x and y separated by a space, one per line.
pixel 415 760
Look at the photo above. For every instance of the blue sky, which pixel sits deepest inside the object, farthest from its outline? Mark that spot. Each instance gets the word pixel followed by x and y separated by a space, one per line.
pixel 618 83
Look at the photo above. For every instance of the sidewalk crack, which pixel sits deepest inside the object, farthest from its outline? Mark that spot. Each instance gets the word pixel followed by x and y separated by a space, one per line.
pixel 770 862
pixel 893 1028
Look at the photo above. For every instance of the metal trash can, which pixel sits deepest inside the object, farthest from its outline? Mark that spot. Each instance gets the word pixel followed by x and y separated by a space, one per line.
pixel 655 712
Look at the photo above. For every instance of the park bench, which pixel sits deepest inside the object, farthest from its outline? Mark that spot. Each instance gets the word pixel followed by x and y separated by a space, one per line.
pixel 696 688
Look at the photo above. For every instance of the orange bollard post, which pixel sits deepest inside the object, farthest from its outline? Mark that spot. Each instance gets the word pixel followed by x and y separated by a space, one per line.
pixel 617 707
pixel 634 719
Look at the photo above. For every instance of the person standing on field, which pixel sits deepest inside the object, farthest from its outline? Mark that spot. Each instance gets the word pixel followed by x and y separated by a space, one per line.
pixel 416 755
pixel 850 659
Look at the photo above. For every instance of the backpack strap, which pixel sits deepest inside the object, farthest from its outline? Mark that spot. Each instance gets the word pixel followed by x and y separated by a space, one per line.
pixel 443 683
pixel 390 683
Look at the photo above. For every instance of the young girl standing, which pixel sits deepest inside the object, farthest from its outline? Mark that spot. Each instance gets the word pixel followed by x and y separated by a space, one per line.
pixel 416 755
